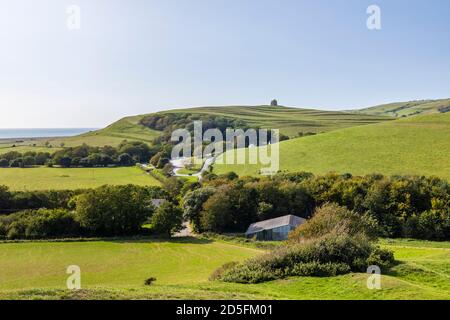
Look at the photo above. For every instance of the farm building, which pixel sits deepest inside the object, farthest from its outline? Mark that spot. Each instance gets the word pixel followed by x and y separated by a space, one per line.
pixel 274 229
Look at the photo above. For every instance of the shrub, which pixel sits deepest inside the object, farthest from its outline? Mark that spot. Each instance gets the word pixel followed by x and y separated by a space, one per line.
pixel 39 224
pixel 219 272
pixel 333 218
pixel 327 256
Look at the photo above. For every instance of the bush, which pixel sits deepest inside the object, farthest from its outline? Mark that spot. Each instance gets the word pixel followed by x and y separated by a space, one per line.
pixel 333 218
pixel 327 256
pixel 39 224
pixel 219 272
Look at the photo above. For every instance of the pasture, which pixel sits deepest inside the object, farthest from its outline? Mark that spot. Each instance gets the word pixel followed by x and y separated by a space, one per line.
pixel 43 178
pixel 412 146
pixel 116 269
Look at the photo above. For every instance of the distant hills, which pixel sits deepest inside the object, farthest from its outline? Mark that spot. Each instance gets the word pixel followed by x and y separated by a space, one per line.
pixel 290 121
pixel 409 108
pixel 397 138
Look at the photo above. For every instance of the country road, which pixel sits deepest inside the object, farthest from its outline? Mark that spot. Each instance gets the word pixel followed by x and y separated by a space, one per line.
pixel 180 163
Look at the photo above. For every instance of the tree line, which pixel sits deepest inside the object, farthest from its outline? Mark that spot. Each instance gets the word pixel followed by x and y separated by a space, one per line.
pixel 126 154
pixel 106 211
pixel 403 206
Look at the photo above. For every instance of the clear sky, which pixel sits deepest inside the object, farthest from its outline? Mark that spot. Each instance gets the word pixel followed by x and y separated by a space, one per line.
pixel 140 56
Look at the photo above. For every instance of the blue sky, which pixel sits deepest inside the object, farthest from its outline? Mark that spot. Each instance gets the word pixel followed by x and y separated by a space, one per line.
pixel 134 57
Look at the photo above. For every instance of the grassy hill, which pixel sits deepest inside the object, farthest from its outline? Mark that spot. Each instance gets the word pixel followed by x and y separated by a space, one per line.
pixel 410 108
pixel 290 121
pixel 125 129
pixel 117 270
pixel 417 145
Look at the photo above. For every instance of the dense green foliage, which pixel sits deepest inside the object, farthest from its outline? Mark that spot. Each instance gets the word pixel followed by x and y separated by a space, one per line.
pixel 105 211
pixel 416 207
pixel 38 224
pixel 114 211
pixel 167 220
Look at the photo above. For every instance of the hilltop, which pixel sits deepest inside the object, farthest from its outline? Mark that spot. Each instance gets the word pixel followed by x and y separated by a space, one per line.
pixel 412 146
pixel 290 121
pixel 409 108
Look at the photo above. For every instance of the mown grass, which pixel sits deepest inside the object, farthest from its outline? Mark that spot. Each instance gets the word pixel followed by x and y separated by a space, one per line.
pixel 117 270
pixel 412 146
pixel 43 178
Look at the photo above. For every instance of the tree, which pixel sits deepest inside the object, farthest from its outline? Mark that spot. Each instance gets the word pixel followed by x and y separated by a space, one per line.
pixel 28 161
pixel 274 103
pixel 41 158
pixel 114 210
pixel 193 205
pixel 16 163
pixel 167 220
pixel 124 159
pixel 65 162
pixel 4 163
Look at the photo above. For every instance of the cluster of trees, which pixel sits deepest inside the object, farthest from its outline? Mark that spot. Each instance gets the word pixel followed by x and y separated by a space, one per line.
pixel 16 159
pixel 417 207
pixel 126 154
pixel 105 211
pixel 169 122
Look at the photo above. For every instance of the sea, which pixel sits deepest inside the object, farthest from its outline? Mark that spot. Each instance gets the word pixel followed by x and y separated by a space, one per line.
pixel 42 132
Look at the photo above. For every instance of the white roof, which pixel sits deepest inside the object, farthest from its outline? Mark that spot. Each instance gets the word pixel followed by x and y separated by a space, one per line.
pixel 289 220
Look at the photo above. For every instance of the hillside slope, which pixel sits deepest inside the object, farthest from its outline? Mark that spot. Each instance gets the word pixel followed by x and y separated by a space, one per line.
pixel 410 108
pixel 417 145
pixel 290 121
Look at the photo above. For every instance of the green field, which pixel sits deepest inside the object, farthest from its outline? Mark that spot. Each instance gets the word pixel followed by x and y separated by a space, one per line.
pixel 412 146
pixel 117 269
pixel 410 108
pixel 43 178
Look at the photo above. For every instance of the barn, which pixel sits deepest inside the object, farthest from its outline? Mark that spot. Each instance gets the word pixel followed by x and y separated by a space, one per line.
pixel 274 229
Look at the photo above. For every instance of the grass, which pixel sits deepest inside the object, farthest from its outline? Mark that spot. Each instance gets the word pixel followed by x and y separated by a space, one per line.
pixel 117 270
pixel 407 109
pixel 290 121
pixel 125 129
pixel 23 148
pixel 43 178
pixel 412 146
